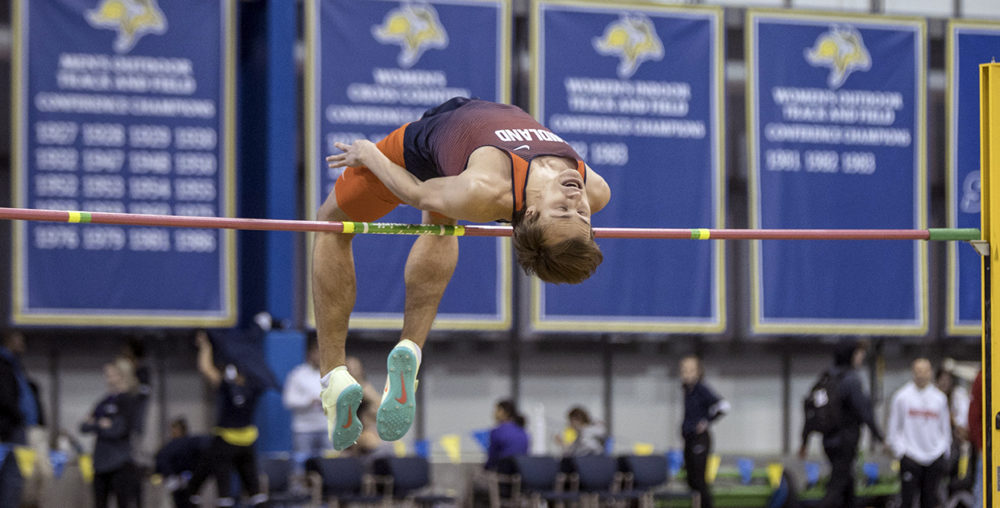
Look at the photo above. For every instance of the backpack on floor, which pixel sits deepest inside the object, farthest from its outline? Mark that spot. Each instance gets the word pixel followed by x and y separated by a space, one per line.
pixel 822 405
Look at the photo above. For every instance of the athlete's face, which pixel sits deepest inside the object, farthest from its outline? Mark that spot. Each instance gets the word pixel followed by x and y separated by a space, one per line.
pixel 563 207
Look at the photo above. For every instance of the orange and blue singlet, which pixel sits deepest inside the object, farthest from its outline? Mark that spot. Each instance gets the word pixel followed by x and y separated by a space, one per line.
pixel 440 143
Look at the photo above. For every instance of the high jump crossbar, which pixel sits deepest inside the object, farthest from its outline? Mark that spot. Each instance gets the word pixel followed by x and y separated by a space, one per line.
pixel 132 219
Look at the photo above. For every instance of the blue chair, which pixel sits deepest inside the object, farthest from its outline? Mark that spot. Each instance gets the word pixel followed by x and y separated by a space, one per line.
pixel 598 480
pixel 649 476
pixel 530 478
pixel 340 480
pixel 277 474
pixel 408 480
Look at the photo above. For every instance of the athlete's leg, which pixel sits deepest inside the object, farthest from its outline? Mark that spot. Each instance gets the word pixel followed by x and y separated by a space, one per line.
pixel 429 267
pixel 333 298
pixel 358 195
pixel 334 287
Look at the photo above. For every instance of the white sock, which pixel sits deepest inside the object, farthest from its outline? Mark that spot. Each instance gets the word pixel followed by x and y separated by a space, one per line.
pixel 416 348
pixel 325 380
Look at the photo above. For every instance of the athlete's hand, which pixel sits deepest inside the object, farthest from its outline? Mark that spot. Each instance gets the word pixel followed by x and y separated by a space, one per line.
pixel 354 154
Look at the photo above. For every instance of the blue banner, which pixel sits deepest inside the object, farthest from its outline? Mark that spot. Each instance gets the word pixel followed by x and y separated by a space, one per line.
pixel 124 107
pixel 836 140
pixel 969 44
pixel 638 92
pixel 374 66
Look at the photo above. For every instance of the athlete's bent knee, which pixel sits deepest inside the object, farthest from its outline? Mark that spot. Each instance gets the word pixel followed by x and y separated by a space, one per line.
pixel 329 211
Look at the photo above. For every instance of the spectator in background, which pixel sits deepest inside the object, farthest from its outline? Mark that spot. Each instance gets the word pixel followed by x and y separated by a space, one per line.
pixel 976 435
pixel 369 445
pixel 920 436
pixel 134 351
pixel 508 437
pixel 591 435
pixel 702 406
pixel 958 404
pixel 234 434
pixel 113 421
pixel 175 462
pixel 357 371
pixel 301 397
pixel 841 445
pixel 18 410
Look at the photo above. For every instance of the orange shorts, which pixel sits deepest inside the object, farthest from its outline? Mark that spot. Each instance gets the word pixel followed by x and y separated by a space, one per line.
pixel 360 194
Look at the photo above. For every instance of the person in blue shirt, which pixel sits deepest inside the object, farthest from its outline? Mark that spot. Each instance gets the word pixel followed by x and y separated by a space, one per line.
pixel 508 438
pixel 702 406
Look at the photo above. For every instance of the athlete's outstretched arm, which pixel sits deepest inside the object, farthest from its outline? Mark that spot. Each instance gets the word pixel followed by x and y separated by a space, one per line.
pixel 598 191
pixel 459 197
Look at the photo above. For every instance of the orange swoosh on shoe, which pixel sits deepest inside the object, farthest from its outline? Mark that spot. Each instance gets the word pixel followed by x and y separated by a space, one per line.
pixel 402 382
pixel 350 419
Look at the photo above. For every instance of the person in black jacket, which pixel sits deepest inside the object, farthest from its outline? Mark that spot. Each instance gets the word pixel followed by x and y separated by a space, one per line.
pixel 702 406
pixel 232 444
pixel 176 461
pixel 19 409
pixel 113 421
pixel 19 406
pixel 841 445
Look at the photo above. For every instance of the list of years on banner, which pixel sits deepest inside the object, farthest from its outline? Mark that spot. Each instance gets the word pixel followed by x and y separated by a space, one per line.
pixel 151 149
pixel 856 119
pixel 393 98
pixel 617 107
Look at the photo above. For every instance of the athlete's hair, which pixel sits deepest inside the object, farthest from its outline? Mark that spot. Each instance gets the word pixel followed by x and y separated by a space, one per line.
pixel 569 261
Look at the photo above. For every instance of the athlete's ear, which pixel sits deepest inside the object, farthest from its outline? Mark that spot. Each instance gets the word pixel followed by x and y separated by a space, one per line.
pixel 530 212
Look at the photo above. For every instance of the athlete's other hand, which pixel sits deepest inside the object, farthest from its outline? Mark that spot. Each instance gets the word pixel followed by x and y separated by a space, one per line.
pixel 353 154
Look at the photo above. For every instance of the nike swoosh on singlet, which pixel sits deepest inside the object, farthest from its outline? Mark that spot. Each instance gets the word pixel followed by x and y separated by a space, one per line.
pixel 402 382
pixel 522 147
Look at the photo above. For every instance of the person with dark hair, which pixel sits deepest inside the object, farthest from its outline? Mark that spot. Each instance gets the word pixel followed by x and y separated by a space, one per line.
pixel 135 351
pixel 466 159
pixel 958 403
pixel 976 436
pixel 702 406
pixel 19 409
pixel 591 435
pixel 508 438
pixel 175 462
pixel 113 420
pixel 234 435
pixel 854 409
